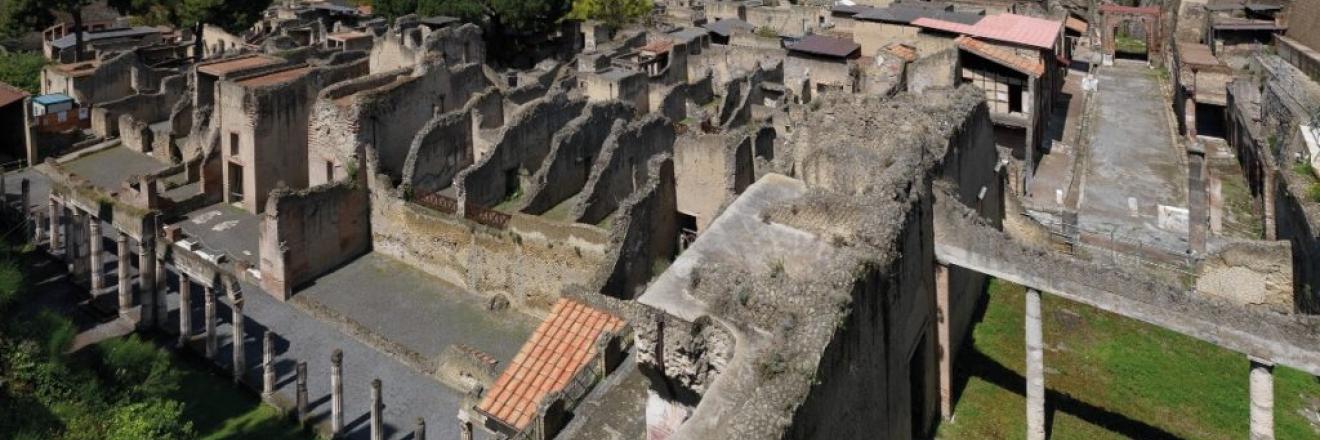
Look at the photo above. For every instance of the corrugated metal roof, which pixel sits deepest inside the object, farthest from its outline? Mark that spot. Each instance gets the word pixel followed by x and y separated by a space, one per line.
pixel 728 26
pixel 1009 28
pixel 908 14
pixel 825 46
pixel 53 98
pixel 9 94
pixel 67 41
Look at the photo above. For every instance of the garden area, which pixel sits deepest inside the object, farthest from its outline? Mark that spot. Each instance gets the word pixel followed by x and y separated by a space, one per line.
pixel 118 389
pixel 1110 377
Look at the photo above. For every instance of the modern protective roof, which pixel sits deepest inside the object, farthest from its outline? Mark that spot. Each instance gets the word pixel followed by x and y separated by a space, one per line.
pixel 561 346
pixel 907 14
pixel 68 41
pixel 272 78
pixel 227 66
pixel 1008 28
pixel 825 46
pixel 53 98
pixel 728 26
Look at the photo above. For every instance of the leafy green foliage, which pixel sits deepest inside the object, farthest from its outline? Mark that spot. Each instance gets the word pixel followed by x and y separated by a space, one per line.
pixel 154 419
pixel 613 13
pixel 18 17
pixel 22 70
pixel 140 368
pixel 392 9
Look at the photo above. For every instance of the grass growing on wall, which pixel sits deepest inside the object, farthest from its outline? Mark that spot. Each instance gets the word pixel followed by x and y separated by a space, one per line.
pixel 1109 377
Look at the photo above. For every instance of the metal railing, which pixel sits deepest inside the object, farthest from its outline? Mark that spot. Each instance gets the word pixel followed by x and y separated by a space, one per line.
pixel 449 205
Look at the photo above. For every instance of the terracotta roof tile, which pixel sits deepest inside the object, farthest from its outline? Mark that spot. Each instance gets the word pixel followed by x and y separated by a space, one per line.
pixel 906 52
pixel 1033 67
pixel 1009 28
pixel 561 346
pixel 10 94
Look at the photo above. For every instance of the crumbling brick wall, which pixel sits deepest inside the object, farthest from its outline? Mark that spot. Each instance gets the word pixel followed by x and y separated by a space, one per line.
pixel 1251 274
pixel 522 146
pixel 111 80
pixel 306 233
pixel 619 170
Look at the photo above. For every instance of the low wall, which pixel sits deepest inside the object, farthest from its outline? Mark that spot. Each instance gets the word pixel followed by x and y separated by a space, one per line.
pixel 306 233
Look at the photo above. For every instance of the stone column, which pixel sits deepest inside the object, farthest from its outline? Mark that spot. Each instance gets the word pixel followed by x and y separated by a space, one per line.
pixel 125 281
pixel 337 392
pixel 147 278
pixel 945 352
pixel 96 245
pixel 24 199
pixel 377 425
pixel 1262 399
pixel 208 299
pixel 39 227
pixel 1035 369
pixel 69 225
pixel 240 359
pixel 302 392
pixel 78 243
pixel 185 310
pixel 54 214
pixel 419 430
pixel 162 289
pixel 267 365
pixel 464 426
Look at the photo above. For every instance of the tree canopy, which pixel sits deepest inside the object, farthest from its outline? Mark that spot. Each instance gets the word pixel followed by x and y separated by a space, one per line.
pixel 613 13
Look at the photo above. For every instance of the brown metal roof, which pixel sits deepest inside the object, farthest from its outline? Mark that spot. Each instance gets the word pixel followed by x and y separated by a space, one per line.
pixel 825 46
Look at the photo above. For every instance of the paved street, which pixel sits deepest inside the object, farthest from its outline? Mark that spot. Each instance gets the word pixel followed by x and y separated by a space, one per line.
pixel 1131 161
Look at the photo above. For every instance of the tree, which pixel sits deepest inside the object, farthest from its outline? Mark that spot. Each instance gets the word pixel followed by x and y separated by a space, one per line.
pixel 157 419
pixel 392 9
pixel 74 9
pixel 18 17
pixel 613 13
pixel 501 17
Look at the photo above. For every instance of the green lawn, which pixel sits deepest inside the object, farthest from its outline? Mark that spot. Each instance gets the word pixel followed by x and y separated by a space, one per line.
pixel 1111 377
pixel 219 410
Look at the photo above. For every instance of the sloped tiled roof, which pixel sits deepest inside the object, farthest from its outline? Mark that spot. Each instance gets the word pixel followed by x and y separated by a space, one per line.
pixel 9 94
pixel 563 344
pixel 1009 28
pixel 907 53
pixel 1007 58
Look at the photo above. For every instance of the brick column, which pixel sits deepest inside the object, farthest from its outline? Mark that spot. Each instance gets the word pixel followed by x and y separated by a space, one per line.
pixel 1262 399
pixel 54 214
pixel 302 392
pixel 208 299
pixel 1035 369
pixel 125 280
pixel 185 310
pixel 96 251
pixel 147 278
pixel 419 429
pixel 337 392
pixel 377 425
pixel 240 359
pixel 945 351
pixel 267 365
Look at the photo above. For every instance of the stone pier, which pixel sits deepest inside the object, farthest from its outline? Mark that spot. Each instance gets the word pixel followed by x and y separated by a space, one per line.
pixel 185 310
pixel 1262 399
pixel 337 393
pixel 944 352
pixel 302 392
pixel 77 246
pixel 95 253
pixel 236 306
pixel 54 214
pixel 208 299
pixel 161 290
pixel 267 365
pixel 419 429
pixel 125 281
pixel 377 406
pixel 147 279
pixel 1035 369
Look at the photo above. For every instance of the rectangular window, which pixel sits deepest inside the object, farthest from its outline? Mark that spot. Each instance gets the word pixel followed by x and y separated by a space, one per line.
pixel 233 144
pixel 329 171
pixel 1014 98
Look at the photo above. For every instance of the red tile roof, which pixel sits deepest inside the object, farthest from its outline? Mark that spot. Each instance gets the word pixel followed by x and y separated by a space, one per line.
pixel 563 344
pixel 658 46
pixel 9 94
pixel 1008 58
pixel 1009 28
pixel 906 52
pixel 1076 24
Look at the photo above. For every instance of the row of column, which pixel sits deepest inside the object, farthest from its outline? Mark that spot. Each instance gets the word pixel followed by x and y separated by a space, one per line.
pixel 1261 384
pixel 78 231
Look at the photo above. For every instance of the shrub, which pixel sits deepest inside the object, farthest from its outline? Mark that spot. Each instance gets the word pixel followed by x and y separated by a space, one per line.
pixel 157 419
pixel 143 370
pixel 22 70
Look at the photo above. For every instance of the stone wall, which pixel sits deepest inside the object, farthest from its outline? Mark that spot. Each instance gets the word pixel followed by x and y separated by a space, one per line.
pixel 938 69
pixel 619 170
pixel 442 148
pixel 148 108
pixel 410 46
pixel 833 73
pixel 110 80
pixel 725 62
pixel 645 233
pixel 307 233
pixel 573 151
pixel 710 170
pixel 1250 274
pixel 523 144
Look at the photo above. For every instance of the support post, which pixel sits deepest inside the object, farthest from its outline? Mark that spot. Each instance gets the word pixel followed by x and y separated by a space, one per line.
pixel 147 278
pixel 39 227
pixel 377 425
pixel 78 244
pixel 125 281
pixel 942 333
pixel 1262 399
pixel 54 214
pixel 96 251
pixel 267 365
pixel 162 290
pixel 302 392
pixel 208 298
pixel 1035 369
pixel 419 430
pixel 236 306
pixel 185 310
pixel 337 393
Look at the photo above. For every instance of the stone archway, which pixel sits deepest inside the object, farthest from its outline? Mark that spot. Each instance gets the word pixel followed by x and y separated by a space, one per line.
pixel 1151 19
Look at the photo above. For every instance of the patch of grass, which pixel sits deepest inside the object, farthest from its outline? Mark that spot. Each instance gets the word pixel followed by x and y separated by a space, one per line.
pixel 1126 44
pixel 1109 377
pixel 1304 169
